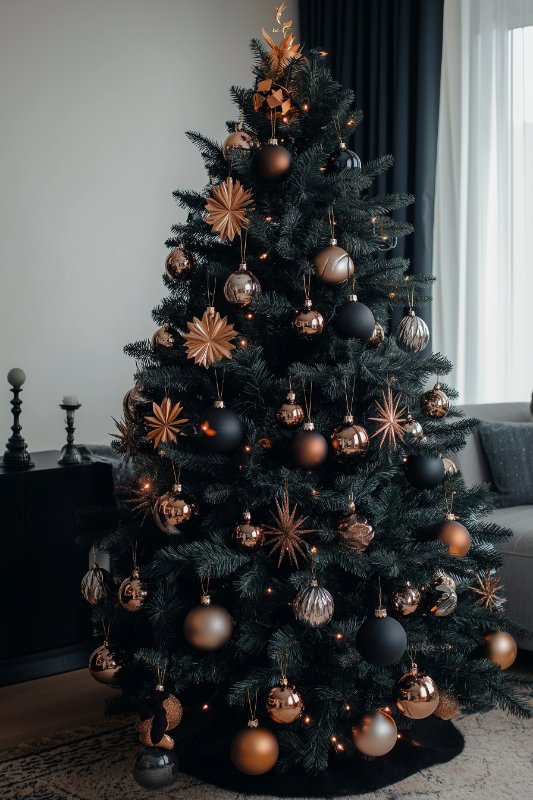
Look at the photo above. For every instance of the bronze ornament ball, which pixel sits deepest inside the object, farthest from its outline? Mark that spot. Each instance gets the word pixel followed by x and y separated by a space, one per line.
pixel 313 605
pixel 131 402
pixel 96 585
pixel 240 140
pixel 435 403
pixel 172 509
pixel 417 696
pixel 308 321
pixel 249 537
pixel 455 536
pixel 349 440
pixel 355 531
pixel 241 287
pixel 375 734
pixel 290 413
pixel 309 447
pixel 178 262
pixel 284 704
pixel 254 750
pixel 448 706
pixel 206 626
pixel 405 600
pixel 132 592
pixel 500 648
pixel 413 431
pixel 333 264
pixel 105 663
pixel 441 596
pixel 272 162
pixel 165 337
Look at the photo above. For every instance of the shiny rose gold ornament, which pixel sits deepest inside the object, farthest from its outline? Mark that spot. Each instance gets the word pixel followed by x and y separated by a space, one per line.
pixel 165 337
pixel 375 734
pixel 349 439
pixel 412 430
pixel 239 140
pixel 96 585
pixel 290 413
pixel 455 535
pixel 435 402
pixel 450 467
pixel 378 336
pixel 133 592
pixel 105 664
pixel 355 531
pixel 333 264
pixel 441 596
pixel 308 321
pixel 249 537
pixel 172 509
pixel 207 627
pixel 417 696
pixel 178 262
pixel 241 287
pixel 254 750
pixel 405 600
pixel 500 647
pixel 284 704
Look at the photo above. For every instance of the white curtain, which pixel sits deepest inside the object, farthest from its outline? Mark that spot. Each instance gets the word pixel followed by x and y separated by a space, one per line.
pixel 483 234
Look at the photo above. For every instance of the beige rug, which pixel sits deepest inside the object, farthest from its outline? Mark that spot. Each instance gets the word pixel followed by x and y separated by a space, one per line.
pixel 95 764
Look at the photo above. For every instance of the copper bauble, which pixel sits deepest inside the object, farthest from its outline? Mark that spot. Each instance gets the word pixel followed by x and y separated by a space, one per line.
pixel 165 337
pixel 132 592
pixel 272 162
pixel 96 585
pixel 349 439
pixel 455 535
pixel 417 695
pixel 254 750
pixel 105 663
pixel 355 531
pixel 378 336
pixel 309 447
pixel 290 413
pixel 241 287
pixel 131 402
pixel 172 509
pixel 448 706
pixel 500 647
pixel 375 734
pixel 239 140
pixel 313 606
pixel 405 600
pixel 412 333
pixel 333 264
pixel 207 626
pixel 173 713
pixel 441 596
pixel 450 467
pixel 248 536
pixel 178 262
pixel 435 403
pixel 284 704
pixel 308 321
pixel 412 429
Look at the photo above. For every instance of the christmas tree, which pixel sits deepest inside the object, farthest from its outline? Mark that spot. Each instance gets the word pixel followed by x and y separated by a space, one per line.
pixel 295 544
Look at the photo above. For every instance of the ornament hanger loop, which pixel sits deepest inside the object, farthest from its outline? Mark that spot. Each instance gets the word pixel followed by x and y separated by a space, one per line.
pixel 204 583
pixel 283 664
pixel 308 400
pixel 332 221
pixel 307 285
pixel 211 288
pixel 220 382
pixel 106 627
pixel 252 706
pixel 349 400
pixel 176 478
pixel 134 553
pixel 161 672
pixel 243 237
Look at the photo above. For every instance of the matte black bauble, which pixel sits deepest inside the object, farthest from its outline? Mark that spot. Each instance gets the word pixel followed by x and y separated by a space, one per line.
pixel 424 472
pixel 354 320
pixel 220 429
pixel 342 159
pixel 381 640
pixel 272 162
pixel 154 768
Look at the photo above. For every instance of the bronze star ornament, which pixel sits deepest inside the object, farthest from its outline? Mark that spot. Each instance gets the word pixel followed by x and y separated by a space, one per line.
pixel 390 420
pixel 165 423
pixel 488 590
pixel 127 439
pixel 210 338
pixel 227 208
pixel 286 532
pixel 280 55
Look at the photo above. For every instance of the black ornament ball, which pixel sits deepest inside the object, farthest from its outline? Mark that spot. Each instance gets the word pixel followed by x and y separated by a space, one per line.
pixel 341 159
pixel 220 429
pixel 424 472
pixel 272 162
pixel 354 320
pixel 381 640
pixel 154 768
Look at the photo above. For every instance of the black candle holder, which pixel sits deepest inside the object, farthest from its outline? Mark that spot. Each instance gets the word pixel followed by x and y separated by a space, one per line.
pixel 70 454
pixel 16 455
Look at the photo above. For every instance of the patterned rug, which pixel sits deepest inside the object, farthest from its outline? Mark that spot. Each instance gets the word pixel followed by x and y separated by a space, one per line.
pixel 95 764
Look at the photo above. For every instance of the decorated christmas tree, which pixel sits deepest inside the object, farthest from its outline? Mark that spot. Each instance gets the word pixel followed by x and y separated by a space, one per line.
pixel 302 569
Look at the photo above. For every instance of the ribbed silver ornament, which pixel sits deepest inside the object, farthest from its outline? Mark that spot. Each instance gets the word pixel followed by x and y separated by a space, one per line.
pixel 412 333
pixel 313 606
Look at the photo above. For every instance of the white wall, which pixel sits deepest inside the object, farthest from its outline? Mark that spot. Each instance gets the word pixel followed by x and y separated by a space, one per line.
pixel 95 96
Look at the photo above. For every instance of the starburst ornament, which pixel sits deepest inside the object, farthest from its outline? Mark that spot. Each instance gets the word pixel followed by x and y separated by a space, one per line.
pixel 227 208
pixel 210 338
pixel 127 439
pixel 166 422
pixel 142 499
pixel 280 55
pixel 286 532
pixel 390 420
pixel 488 590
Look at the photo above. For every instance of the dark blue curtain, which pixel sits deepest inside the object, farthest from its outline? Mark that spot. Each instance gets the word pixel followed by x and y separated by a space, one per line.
pixel 389 53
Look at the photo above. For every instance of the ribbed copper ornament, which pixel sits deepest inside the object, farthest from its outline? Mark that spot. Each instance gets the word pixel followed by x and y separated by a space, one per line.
pixel 314 605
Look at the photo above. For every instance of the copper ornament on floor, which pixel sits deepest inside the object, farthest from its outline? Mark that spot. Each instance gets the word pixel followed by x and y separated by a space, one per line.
pixel 313 605
pixel 448 706
pixel 254 750
pixel 500 648
pixel 441 596
pixel 405 600
pixel 355 531
pixel 349 440
pixel 133 592
pixel 308 321
pixel 417 696
pixel 241 287
pixel 375 734
pixel 333 264
pixel 435 402
pixel 454 534
pixel 172 509
pixel 284 704
pixel 290 413
pixel 207 626
pixel 178 262
pixel 248 536
pixel 96 585
pixel 378 335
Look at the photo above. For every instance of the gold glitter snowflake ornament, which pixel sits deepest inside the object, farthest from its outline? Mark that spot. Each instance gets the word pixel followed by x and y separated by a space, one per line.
pixel 286 532
pixel 390 420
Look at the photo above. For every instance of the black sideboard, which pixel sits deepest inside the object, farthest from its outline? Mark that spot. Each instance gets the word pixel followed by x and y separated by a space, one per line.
pixel 44 620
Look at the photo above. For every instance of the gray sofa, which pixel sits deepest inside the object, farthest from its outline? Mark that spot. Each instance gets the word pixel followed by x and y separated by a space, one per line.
pixel 517 571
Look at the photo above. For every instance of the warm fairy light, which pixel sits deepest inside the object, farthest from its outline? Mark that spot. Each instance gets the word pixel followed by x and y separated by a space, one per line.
pixel 404 459
pixel 339 636
pixel 247 448
pixel 285 119
pixel 249 315
pixel 399 736
pixel 373 220
pixel 313 550
pixel 322 169
pixel 384 238
pixel 350 122
pixel 340 747
pixel 147 485
pixel 307 720
pixel 243 342
pixel 334 739
pixel 347 707
pixel 406 278
pixel 323 53
pixel 305 107
pixel 387 709
pixel 268 219
pixel 314 493
pixel 263 256
pixel 270 590
pixel 205 707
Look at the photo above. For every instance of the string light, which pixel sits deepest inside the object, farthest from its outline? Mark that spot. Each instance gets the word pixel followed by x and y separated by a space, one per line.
pixel 270 590
pixel 249 315
pixel 307 720
pixel 347 707
pixel 314 493
pixel 268 219
pixel 305 107
pixel 323 53
pixel 263 256
pixel 243 342
pixel 350 122
pixel 339 636
pixel 285 119
pixel 322 169
pixel 247 448
pixel 205 707
pixel 313 550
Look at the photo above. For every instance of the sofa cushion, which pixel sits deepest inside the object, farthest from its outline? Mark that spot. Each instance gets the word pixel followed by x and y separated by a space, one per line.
pixel 508 447
pixel 520 520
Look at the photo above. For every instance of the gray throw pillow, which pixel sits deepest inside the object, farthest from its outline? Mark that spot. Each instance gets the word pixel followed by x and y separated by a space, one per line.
pixel 509 450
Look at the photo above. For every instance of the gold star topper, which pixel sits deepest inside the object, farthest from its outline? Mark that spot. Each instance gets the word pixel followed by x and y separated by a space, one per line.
pixel 280 55
pixel 210 338
pixel 227 208
pixel 286 532
pixel 488 588
pixel 390 420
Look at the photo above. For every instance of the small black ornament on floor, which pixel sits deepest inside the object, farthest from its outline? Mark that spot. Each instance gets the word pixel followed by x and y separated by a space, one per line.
pixel 154 768
pixel 354 320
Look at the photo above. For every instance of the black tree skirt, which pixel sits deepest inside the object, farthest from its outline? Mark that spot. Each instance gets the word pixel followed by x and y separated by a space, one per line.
pixel 430 741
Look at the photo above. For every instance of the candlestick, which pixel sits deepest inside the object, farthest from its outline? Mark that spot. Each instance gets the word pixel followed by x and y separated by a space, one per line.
pixel 16 455
pixel 70 454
